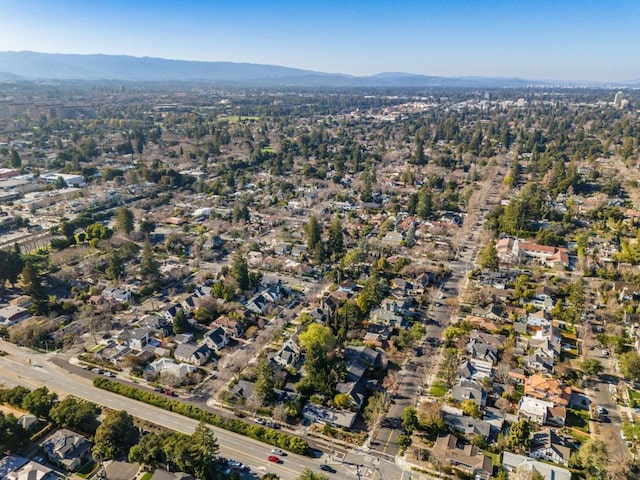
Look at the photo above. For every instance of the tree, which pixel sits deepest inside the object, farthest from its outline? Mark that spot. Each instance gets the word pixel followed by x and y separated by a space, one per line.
pixel 375 408
pixel 264 384
pixel 410 419
pixel 591 367
pixel 125 221
pixel 629 363
pixel 115 266
pixel 448 366
pixel 12 435
pixel 424 209
pixel 343 401
pixel 240 271
pixel 115 436
pixel 75 415
pixel 308 474
pixel 518 438
pixel 149 266
pixel 203 450
pixel 16 161
pixel 180 322
pixel 147 227
pixel 488 257
pixel 469 407
pixel 15 396
pixel 313 231
pixel 593 457
pixel 39 402
pixel 335 244
pixel 31 284
pixel 149 451
pixel 319 335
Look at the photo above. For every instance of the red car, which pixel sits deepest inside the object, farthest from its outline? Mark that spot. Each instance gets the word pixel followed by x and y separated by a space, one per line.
pixel 273 458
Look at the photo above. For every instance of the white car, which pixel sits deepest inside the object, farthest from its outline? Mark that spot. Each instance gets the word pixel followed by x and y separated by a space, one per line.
pixel 259 421
pixel 601 411
pixel 605 353
pixel 277 451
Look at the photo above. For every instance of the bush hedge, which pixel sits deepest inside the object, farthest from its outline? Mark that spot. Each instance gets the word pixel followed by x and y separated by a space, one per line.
pixel 267 435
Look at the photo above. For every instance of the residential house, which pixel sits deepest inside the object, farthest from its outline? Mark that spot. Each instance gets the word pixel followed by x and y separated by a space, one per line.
pixel 136 338
pixel 116 294
pixel 547 388
pixel 474 369
pixel 324 415
pixel 512 462
pixel 67 449
pixel 542 412
pixel 462 455
pixel 538 320
pixel 216 339
pixel 539 362
pixel 32 471
pixel 243 389
pixel 468 426
pixel 192 353
pixel 233 328
pixel 160 474
pixel 183 338
pixel 288 355
pixel 158 326
pixel 548 255
pixel 258 304
pixel 547 444
pixel 469 390
pixel 12 314
pixel 492 312
pixel 355 390
pixel 481 349
pixel 167 366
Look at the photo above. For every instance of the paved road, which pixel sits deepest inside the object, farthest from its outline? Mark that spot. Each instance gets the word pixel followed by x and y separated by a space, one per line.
pixel 31 369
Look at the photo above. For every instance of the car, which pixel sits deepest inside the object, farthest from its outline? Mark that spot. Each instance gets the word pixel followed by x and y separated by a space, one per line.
pixel 236 465
pixel 259 421
pixel 602 411
pixel 38 459
pixel 171 393
pixel 605 419
pixel 109 374
pixel 327 468
pixel 277 451
pixel 97 370
pixel 274 459
pixel 605 353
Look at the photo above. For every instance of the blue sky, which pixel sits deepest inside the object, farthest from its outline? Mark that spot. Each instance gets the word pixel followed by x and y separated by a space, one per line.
pixel 546 39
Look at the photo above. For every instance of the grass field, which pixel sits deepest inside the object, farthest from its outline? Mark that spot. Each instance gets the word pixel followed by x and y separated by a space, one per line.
pixel 578 419
pixel 147 476
pixel 438 389
pixel 87 469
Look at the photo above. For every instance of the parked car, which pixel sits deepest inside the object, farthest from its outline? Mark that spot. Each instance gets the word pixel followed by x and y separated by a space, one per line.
pixel 602 411
pixel 274 459
pixel 259 421
pixel 327 468
pixel 109 374
pixel 236 465
pixel 605 353
pixel 97 370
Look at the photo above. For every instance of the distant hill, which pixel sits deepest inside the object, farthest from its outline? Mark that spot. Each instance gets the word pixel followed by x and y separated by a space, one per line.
pixel 15 66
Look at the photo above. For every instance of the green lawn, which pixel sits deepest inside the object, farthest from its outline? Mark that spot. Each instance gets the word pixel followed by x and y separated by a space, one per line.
pixel 147 476
pixel 87 469
pixel 634 395
pixel 438 389
pixel 578 419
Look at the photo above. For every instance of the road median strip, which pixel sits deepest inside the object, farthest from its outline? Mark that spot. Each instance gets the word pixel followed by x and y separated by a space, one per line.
pixel 264 434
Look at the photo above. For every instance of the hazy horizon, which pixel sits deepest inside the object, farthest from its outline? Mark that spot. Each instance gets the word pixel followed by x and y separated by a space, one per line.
pixel 545 40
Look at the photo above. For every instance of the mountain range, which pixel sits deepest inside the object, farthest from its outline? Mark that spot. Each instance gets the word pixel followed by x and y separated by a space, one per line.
pixel 30 66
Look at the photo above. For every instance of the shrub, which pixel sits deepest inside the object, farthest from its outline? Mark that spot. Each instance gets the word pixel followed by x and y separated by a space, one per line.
pixel 257 432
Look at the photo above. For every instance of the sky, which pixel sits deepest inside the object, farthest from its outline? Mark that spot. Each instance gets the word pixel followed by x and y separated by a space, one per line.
pixel 533 39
